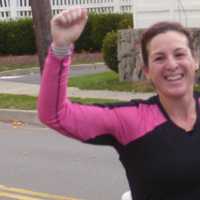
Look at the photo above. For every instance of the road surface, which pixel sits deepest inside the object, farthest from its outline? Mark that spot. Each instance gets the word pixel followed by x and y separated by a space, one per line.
pixel 40 160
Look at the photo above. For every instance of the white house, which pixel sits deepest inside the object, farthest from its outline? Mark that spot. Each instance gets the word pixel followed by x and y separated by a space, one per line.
pixel 147 12
pixel 13 9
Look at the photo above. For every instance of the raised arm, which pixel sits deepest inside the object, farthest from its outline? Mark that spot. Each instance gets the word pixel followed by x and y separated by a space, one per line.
pixel 95 124
pixel 54 108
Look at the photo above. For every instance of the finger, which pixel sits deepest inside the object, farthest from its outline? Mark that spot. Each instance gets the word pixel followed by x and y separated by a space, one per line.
pixel 76 13
pixel 59 20
pixel 73 14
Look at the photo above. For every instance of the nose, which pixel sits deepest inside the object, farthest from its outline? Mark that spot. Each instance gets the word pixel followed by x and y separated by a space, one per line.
pixel 171 63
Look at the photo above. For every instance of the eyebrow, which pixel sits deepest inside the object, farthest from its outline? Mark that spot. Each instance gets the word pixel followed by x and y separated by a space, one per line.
pixel 181 49
pixel 160 53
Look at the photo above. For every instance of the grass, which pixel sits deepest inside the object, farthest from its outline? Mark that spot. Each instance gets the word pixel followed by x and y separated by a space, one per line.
pixel 108 81
pixel 25 102
pixel 7 67
pixel 11 101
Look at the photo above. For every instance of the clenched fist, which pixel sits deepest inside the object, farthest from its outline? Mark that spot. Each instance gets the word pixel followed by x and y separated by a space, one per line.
pixel 67 26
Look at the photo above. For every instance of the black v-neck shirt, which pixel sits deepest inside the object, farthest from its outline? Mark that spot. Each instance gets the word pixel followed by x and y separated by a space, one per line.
pixel 164 163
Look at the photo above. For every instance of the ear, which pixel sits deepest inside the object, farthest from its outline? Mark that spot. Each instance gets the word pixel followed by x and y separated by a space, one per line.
pixel 196 65
pixel 146 72
pixel 196 60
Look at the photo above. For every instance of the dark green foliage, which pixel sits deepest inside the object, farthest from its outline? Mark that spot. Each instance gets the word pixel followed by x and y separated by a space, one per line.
pixel 17 37
pixel 109 50
pixel 102 24
pixel 98 26
pixel 85 43
pixel 125 22
pixel 3 34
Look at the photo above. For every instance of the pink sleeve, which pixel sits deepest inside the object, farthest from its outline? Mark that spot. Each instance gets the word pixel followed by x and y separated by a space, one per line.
pixel 83 122
pixel 125 122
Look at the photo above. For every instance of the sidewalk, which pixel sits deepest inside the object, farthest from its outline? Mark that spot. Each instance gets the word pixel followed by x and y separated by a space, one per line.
pixel 10 87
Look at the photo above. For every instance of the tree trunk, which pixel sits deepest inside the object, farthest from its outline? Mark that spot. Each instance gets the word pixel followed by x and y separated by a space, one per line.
pixel 41 12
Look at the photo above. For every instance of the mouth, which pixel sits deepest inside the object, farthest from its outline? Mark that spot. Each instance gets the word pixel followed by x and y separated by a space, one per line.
pixel 173 77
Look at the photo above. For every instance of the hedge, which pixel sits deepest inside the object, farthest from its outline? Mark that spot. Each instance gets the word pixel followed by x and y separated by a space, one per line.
pixel 98 26
pixel 109 50
pixel 17 37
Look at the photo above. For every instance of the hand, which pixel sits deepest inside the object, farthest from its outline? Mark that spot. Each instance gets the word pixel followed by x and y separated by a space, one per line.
pixel 67 26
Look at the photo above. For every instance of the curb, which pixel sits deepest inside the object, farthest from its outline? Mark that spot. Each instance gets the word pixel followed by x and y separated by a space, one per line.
pixel 24 116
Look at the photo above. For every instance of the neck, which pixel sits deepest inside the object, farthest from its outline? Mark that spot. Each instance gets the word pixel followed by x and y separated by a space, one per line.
pixel 181 110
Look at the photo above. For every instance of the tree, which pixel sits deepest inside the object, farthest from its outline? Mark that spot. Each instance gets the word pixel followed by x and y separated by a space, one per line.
pixel 41 12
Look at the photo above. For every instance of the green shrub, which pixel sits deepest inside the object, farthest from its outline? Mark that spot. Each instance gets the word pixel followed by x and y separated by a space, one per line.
pixel 101 25
pixel 3 36
pixel 85 43
pixel 98 26
pixel 126 22
pixel 109 50
pixel 17 37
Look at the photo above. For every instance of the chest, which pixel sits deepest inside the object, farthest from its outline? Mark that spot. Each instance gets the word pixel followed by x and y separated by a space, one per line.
pixel 164 158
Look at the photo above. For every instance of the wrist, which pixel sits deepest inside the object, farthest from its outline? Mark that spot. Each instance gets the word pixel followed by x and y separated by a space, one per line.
pixel 62 51
pixel 60 44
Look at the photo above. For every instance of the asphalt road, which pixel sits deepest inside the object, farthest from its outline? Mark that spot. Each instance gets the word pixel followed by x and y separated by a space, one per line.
pixel 41 160
pixel 34 78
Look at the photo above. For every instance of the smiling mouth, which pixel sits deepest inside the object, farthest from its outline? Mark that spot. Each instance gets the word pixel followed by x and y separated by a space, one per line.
pixel 175 77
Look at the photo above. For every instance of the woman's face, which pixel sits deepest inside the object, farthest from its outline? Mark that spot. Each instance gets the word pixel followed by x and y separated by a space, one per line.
pixel 171 65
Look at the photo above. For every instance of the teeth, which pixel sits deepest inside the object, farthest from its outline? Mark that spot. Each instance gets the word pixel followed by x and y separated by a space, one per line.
pixel 174 77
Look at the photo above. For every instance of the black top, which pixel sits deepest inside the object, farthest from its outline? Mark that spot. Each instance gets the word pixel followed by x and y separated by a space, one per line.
pixel 163 164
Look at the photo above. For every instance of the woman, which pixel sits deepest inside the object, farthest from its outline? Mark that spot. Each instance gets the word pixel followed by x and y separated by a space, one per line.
pixel 158 139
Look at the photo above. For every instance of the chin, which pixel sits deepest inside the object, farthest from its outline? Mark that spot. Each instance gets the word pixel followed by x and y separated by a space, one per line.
pixel 175 93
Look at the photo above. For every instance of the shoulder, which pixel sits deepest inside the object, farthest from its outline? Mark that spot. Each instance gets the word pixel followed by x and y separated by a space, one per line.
pixel 134 103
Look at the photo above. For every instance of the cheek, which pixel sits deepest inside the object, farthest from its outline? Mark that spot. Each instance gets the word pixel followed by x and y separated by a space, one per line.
pixel 154 72
pixel 191 67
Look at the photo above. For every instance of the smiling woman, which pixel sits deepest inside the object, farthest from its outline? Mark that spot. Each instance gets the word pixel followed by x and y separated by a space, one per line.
pixel 171 62
pixel 171 65
pixel 157 139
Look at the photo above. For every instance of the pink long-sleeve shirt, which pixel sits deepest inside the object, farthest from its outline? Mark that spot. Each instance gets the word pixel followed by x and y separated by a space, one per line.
pixel 125 122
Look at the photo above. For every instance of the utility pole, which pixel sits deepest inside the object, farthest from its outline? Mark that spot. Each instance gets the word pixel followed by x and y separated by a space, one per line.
pixel 41 12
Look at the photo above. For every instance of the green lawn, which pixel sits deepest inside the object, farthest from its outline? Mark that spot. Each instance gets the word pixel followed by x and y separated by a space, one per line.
pixel 108 81
pixel 24 102
pixel 12 101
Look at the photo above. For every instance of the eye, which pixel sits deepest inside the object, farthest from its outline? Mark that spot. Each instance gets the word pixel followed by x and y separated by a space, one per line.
pixel 179 55
pixel 158 59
